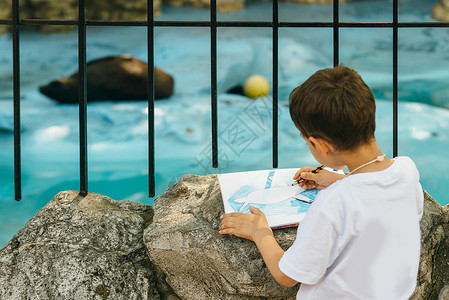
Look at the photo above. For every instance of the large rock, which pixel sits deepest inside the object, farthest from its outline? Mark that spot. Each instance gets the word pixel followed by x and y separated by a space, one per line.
pixel 433 277
pixel 81 248
pixel 199 263
pixel 440 11
pixel 91 248
pixel 116 10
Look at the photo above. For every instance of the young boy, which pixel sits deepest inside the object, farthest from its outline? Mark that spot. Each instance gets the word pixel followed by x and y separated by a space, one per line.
pixel 361 237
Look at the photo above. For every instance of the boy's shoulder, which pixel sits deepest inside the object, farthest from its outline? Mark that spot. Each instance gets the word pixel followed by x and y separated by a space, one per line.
pixel 402 171
pixel 350 194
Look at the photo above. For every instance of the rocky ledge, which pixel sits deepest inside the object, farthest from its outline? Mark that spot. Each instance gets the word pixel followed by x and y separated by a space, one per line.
pixel 92 248
pixel 81 248
pixel 199 263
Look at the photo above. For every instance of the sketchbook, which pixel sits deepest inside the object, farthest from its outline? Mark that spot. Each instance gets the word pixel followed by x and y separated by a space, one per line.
pixel 271 191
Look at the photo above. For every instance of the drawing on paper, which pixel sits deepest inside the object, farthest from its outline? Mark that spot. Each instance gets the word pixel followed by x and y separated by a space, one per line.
pixel 270 190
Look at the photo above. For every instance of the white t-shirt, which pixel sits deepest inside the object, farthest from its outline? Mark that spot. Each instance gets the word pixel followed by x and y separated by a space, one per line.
pixel 360 238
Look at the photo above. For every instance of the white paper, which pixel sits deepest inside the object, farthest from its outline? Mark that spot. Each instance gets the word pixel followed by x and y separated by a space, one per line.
pixel 269 190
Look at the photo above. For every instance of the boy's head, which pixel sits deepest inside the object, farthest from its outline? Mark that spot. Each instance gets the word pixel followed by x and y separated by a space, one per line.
pixel 335 105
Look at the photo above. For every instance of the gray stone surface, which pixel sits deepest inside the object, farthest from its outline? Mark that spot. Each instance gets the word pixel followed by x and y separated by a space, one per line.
pixel 81 248
pixel 444 293
pixel 183 241
pixel 440 11
pixel 92 248
pixel 199 263
pixel 434 265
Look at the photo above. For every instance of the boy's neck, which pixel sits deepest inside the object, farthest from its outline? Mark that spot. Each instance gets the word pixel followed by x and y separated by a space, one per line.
pixel 363 154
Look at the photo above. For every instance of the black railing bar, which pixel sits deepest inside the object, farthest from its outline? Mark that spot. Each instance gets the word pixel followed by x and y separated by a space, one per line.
pixel 365 24
pixel 423 24
pixel 16 97
pixel 225 23
pixel 116 23
pixel 48 22
pixel 151 129
pixel 395 78
pixel 329 24
pixel 392 24
pixel 275 83
pixel 82 99
pixel 245 23
pixel 325 24
pixel 255 24
pixel 305 24
pixel 194 23
pixel 335 27
pixel 182 23
pixel 213 77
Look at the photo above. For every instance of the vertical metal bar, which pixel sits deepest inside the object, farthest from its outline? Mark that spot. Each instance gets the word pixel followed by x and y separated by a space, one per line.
pixel 16 83
pixel 213 68
pixel 82 99
pixel 275 23
pixel 336 24
pixel 151 140
pixel 395 78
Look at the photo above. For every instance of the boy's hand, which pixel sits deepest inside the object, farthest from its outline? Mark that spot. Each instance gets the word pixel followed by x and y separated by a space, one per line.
pixel 252 226
pixel 319 180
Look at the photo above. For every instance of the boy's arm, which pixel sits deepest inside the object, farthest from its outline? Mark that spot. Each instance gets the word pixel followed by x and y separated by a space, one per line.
pixel 254 227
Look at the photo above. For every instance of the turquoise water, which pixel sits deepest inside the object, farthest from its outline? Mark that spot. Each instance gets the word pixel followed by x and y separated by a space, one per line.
pixel 117 132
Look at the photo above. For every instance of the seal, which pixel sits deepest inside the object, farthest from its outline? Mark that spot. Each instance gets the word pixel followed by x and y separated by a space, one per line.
pixel 111 79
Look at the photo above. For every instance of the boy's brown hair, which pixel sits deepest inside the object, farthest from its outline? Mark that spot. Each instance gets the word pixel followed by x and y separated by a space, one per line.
pixel 336 105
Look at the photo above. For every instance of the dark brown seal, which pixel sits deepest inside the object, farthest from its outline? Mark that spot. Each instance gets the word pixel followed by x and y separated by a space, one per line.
pixel 112 78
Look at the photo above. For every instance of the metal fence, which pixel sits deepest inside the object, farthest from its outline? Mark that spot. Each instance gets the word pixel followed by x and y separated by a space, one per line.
pixel 16 23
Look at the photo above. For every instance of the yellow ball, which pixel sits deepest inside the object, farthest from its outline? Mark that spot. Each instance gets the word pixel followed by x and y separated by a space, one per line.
pixel 256 86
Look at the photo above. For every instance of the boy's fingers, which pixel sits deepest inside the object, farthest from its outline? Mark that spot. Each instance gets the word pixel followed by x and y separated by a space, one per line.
pixel 227 223
pixel 303 169
pixel 255 210
pixel 308 185
pixel 297 175
pixel 226 231
pixel 308 175
pixel 231 215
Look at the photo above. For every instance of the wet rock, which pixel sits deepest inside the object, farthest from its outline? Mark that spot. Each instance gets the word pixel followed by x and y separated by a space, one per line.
pixel 80 248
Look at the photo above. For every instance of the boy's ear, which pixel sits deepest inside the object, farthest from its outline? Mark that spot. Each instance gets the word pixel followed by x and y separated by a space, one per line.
pixel 321 145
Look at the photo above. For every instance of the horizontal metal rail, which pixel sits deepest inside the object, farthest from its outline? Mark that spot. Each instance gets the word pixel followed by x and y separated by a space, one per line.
pixel 227 23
